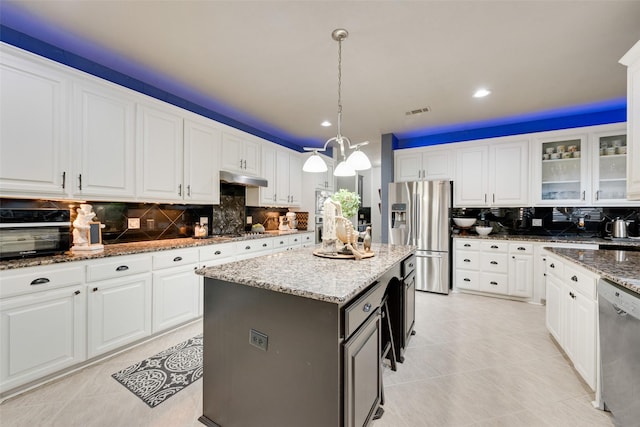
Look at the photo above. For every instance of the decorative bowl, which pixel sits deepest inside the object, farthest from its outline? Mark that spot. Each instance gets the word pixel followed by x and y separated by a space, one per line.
pixel 464 222
pixel 483 231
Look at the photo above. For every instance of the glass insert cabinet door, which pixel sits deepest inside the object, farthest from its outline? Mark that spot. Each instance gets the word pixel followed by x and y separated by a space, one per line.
pixel 611 162
pixel 562 170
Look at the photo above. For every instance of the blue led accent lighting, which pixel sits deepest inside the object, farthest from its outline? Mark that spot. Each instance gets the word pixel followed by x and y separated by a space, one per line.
pixel 20 29
pixel 611 111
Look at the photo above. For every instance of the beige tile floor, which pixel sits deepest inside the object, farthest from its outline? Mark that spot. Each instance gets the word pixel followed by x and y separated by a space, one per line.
pixel 475 361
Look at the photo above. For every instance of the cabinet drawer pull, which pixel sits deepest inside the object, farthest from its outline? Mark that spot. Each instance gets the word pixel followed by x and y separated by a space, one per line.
pixel 122 268
pixel 467 245
pixel 574 278
pixel 467 260
pixel 264 245
pixel 520 248
pixel 281 242
pixel 76 293
pixel 177 259
pixel 466 279
pixel 493 283
pixel 367 307
pixel 552 265
pixel 494 262
pixel 40 281
pixel 217 253
pixel 494 247
pixel 572 295
pixel 247 247
pixel 95 289
pixel 295 240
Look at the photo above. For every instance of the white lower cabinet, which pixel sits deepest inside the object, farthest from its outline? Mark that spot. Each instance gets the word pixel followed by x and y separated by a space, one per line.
pixel 42 332
pixel 572 312
pixel 521 270
pixel 119 302
pixel 176 288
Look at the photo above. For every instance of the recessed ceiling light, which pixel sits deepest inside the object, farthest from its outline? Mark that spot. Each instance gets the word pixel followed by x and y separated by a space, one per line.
pixel 326 123
pixel 481 93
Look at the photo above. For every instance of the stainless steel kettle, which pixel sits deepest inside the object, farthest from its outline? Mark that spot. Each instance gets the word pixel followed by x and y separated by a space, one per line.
pixel 617 228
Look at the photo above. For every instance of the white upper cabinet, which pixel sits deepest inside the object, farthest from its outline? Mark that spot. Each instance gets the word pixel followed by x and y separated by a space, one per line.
pixel 160 153
pixel 323 180
pixel 282 168
pixel 608 152
pixel 430 163
pixel 240 154
pixel 496 174
pixel 33 126
pixel 632 60
pixel 472 176
pixel 103 147
pixel 560 168
pixel 202 143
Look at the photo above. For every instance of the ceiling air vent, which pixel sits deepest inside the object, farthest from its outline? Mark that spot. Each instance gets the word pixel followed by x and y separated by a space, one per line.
pixel 418 111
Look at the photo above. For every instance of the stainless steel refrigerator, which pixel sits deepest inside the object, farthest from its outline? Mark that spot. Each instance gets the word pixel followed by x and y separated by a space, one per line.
pixel 419 215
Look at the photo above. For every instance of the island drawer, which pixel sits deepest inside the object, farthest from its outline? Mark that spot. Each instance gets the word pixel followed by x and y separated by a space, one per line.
pixel 408 265
pixel 581 280
pixel 213 253
pixel 554 267
pixel 356 313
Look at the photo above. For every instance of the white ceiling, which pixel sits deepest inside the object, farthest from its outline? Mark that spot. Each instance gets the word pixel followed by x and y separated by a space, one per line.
pixel 275 65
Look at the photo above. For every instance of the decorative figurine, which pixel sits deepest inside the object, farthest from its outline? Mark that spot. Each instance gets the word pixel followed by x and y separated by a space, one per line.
pixel 86 232
pixel 366 242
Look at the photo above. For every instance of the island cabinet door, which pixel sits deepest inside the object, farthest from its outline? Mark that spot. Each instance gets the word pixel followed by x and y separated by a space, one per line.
pixel 362 379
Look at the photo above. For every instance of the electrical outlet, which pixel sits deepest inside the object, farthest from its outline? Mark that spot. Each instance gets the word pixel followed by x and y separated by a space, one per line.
pixel 258 339
pixel 536 222
pixel 133 223
pixel 249 220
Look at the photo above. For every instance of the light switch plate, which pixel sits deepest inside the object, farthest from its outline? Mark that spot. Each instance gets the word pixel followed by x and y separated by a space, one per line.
pixel 536 222
pixel 133 223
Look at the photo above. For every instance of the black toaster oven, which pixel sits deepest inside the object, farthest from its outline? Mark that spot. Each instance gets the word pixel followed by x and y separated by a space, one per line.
pixel 34 232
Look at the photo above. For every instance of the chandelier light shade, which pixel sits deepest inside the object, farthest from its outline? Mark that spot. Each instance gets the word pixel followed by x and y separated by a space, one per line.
pixel 314 164
pixel 357 160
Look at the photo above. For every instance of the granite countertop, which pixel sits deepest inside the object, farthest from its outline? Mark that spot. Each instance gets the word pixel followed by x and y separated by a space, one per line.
pixel 619 266
pixel 301 273
pixel 589 239
pixel 120 249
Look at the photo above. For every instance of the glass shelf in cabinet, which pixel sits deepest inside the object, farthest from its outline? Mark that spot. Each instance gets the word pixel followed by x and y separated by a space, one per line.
pixel 572 181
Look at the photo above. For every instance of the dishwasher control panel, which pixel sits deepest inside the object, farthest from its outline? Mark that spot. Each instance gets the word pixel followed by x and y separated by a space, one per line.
pixel 622 299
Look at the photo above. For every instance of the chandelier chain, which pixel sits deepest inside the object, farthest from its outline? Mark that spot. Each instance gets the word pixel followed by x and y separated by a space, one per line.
pixel 339 87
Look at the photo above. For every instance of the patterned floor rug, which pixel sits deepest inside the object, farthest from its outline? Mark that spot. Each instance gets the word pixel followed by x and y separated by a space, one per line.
pixel 159 377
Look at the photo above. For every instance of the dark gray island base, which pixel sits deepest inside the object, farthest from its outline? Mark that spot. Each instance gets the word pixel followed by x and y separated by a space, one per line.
pixel 295 340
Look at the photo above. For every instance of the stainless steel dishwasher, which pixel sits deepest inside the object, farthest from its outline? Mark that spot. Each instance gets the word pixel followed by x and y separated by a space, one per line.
pixel 619 314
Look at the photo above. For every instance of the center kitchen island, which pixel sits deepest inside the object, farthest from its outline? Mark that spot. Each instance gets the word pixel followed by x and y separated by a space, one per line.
pixel 293 339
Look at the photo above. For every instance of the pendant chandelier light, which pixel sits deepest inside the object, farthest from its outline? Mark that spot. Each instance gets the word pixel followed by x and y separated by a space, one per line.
pixel 357 160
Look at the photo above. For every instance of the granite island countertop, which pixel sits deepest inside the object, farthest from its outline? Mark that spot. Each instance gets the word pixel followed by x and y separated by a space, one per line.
pixel 619 266
pixel 120 249
pixel 301 273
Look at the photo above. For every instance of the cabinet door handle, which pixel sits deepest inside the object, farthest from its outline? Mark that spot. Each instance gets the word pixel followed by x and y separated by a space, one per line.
pixel 366 308
pixel 64 179
pixel 513 256
pixel 245 164
pixel 494 197
pixel 466 279
pixel 493 283
pixel 574 278
pixel 95 289
pixel 240 163
pixel 494 262
pixel 177 259
pixel 217 253
pixel 76 293
pixel 80 182
pixel 552 265
pixel 597 195
pixel 572 295
pixel 180 190
pixel 40 281
pixel 122 268
pixel 485 197
pixel 188 190
pixel 583 194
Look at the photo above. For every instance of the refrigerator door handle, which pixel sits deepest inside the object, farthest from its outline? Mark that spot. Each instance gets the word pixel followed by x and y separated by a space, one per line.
pixel 428 256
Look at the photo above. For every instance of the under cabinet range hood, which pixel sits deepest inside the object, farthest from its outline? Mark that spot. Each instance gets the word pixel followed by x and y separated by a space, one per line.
pixel 245 180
